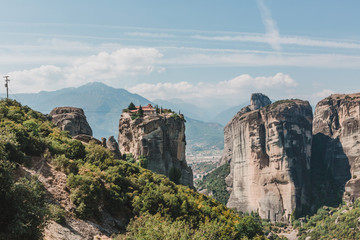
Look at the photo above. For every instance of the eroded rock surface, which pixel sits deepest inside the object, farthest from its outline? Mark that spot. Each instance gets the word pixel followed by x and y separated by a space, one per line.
pixel 159 138
pixel 269 150
pixel 71 119
pixel 337 141
pixel 114 147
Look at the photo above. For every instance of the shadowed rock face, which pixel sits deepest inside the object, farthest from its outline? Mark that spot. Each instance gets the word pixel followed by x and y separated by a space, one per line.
pixel 258 100
pixel 161 139
pixel 114 147
pixel 71 119
pixel 337 131
pixel 269 152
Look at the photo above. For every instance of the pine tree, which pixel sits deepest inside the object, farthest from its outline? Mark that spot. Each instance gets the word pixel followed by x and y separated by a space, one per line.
pixel 141 111
pixel 131 106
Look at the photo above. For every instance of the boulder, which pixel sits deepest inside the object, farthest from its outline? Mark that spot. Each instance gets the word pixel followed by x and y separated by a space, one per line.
pixel 71 119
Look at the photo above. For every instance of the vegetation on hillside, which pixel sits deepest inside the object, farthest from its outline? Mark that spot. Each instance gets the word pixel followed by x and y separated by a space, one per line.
pixel 202 136
pixel 215 183
pixel 333 223
pixel 98 182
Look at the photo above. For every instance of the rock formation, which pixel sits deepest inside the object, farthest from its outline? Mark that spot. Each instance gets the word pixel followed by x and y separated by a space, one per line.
pixel 257 101
pixel 159 138
pixel 86 139
pixel 269 150
pixel 71 119
pixel 337 141
pixel 114 147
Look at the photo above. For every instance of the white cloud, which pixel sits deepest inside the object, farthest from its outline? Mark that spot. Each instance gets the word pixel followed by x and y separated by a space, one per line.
pixel 272 32
pixel 316 97
pixel 284 40
pixel 228 91
pixel 125 61
pixel 149 34
pixel 45 77
pixel 104 67
pixel 230 59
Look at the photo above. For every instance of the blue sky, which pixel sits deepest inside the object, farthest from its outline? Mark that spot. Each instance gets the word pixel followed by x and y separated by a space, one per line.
pixel 213 53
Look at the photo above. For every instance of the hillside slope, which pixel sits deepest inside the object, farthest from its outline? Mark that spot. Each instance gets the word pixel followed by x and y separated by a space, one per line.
pixel 46 173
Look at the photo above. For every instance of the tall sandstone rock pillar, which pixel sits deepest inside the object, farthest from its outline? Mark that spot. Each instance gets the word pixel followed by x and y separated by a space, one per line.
pixel 336 131
pixel 161 139
pixel 269 150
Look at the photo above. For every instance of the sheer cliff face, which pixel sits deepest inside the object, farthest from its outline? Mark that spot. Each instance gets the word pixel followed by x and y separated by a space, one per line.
pixel 269 151
pixel 337 139
pixel 71 119
pixel 161 139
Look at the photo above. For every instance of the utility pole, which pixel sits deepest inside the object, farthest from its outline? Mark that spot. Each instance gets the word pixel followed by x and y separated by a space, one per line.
pixel 7 80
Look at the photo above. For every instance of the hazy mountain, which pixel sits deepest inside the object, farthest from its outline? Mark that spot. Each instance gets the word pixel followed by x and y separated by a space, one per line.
pixel 102 104
pixel 188 109
pixel 225 116
pixel 202 135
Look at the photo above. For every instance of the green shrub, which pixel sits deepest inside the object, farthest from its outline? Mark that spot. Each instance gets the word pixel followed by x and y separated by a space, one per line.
pixel 175 175
pixel 76 150
pixel 86 193
pixel 130 158
pixel 22 206
pixel 215 182
pixel 57 213
pixel 62 163
pixel 143 162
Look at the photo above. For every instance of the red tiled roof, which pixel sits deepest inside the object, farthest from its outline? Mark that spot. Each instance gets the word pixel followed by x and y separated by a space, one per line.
pixel 149 107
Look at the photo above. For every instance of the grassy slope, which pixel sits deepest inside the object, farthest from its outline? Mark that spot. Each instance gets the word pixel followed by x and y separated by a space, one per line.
pixel 96 179
pixel 215 182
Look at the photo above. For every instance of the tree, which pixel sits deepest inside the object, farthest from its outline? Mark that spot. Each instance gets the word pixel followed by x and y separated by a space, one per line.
pixel 141 111
pixel 131 106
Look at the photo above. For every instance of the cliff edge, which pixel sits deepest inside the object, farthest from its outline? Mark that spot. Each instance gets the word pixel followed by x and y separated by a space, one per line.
pixel 337 141
pixel 160 138
pixel 269 150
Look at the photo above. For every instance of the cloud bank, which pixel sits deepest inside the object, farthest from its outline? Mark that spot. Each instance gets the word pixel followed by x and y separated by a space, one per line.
pixel 104 66
pixel 228 91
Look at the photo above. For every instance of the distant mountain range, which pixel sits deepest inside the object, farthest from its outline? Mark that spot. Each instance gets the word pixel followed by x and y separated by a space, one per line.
pixel 103 106
pixel 226 115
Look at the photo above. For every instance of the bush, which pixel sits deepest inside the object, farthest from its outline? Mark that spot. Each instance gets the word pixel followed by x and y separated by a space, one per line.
pixel 86 193
pixel 62 163
pixel 249 227
pixel 143 162
pixel 22 207
pixel 175 175
pixel 76 150
pixel 57 214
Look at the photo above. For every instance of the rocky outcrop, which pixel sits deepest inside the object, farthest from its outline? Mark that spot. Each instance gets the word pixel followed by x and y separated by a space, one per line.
pixel 114 147
pixel 257 101
pixel 336 130
pixel 86 139
pixel 159 138
pixel 269 150
pixel 71 119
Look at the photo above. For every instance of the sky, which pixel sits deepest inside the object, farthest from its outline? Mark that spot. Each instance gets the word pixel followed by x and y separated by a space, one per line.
pixel 210 53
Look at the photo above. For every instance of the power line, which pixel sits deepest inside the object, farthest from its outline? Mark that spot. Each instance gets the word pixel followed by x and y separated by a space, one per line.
pixel 7 80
